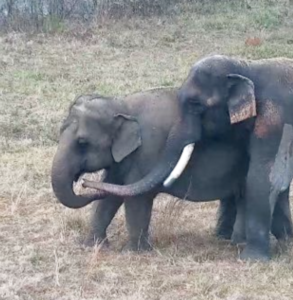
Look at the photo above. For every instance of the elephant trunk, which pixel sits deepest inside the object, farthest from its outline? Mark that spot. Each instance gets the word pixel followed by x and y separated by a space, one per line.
pixel 64 171
pixel 185 132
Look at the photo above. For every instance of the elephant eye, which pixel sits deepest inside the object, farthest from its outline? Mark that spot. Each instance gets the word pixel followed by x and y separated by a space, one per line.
pixel 190 99
pixel 194 101
pixel 196 106
pixel 82 143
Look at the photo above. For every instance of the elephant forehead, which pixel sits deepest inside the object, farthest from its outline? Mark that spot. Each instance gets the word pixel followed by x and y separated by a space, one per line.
pixel 92 111
pixel 269 118
pixel 94 122
pixel 216 65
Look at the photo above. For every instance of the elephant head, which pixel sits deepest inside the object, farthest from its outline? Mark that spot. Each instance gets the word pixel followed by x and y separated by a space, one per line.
pixel 216 89
pixel 217 84
pixel 96 134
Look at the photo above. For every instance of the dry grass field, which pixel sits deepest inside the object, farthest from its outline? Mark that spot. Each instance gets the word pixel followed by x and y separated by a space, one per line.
pixel 40 257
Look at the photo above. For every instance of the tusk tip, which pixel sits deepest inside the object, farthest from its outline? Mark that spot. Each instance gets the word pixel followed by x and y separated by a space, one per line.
pixel 168 182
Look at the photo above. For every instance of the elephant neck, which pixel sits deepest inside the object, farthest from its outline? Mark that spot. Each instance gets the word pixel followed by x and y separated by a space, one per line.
pixel 258 71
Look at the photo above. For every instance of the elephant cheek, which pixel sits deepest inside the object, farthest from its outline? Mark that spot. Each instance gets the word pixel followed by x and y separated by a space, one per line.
pixel 269 120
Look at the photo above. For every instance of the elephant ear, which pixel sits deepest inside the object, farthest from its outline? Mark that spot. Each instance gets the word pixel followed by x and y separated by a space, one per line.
pixel 241 103
pixel 127 138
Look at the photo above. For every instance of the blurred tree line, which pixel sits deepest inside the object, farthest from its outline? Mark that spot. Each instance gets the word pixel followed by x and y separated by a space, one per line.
pixel 51 15
pixel 42 14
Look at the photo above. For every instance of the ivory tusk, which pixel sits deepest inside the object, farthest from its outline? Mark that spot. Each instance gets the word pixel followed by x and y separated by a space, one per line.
pixel 180 166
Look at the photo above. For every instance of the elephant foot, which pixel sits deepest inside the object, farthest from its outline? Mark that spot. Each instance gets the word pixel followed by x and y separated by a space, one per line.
pixel 223 233
pixel 283 235
pixel 138 246
pixel 255 255
pixel 92 241
pixel 238 238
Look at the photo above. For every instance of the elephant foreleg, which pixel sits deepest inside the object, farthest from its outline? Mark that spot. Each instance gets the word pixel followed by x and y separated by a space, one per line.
pixel 103 213
pixel 257 195
pixel 138 215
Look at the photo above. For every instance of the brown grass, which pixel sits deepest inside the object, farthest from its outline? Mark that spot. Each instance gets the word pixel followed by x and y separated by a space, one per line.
pixel 40 257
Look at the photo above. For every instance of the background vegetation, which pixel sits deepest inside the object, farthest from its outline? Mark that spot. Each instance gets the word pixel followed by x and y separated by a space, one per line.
pixel 51 51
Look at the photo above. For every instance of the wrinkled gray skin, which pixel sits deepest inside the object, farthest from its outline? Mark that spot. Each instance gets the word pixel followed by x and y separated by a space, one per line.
pixel 236 100
pixel 126 137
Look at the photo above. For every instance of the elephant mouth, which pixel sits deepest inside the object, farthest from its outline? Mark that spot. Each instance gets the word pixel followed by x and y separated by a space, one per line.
pixel 79 175
pixel 78 187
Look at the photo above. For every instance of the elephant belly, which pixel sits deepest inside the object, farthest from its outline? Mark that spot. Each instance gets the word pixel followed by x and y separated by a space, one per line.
pixel 205 191
pixel 216 170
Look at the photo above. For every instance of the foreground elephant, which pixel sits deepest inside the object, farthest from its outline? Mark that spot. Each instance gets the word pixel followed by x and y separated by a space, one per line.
pixel 242 101
pixel 126 137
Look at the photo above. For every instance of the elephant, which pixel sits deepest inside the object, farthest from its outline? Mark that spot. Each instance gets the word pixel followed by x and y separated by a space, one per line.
pixel 125 137
pixel 247 102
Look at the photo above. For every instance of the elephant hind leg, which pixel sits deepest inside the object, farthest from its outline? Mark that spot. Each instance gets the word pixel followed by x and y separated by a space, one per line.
pixel 280 177
pixel 138 215
pixel 282 227
pixel 231 219
pixel 226 218
pixel 239 235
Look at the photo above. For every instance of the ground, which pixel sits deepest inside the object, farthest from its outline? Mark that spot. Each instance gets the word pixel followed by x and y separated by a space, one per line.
pixel 40 74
